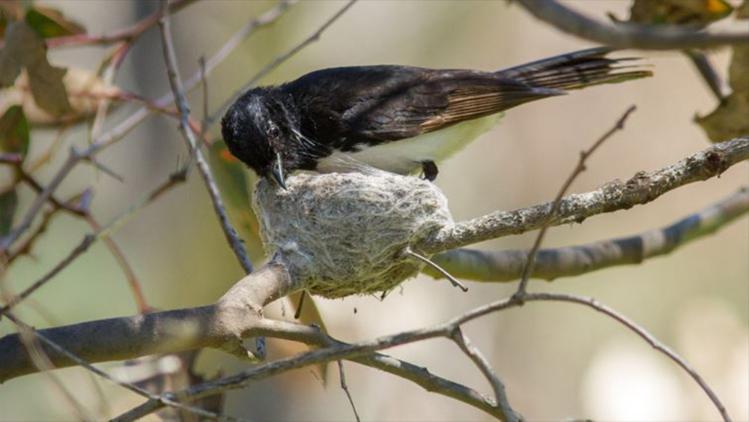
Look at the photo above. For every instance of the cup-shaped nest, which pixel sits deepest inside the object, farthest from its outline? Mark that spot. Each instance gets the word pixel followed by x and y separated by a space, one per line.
pixel 344 234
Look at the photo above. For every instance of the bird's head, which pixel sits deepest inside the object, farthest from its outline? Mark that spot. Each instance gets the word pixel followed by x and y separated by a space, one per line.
pixel 260 130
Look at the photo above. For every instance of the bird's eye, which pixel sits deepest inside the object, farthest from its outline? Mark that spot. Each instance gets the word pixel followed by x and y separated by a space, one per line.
pixel 274 132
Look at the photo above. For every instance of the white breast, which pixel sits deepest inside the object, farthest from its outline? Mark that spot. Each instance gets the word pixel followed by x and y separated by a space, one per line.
pixel 406 155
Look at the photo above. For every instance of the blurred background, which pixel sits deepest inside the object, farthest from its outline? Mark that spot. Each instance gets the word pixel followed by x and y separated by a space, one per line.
pixel 558 361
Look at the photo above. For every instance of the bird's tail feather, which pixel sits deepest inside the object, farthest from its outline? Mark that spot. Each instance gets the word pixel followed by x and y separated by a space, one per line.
pixel 577 70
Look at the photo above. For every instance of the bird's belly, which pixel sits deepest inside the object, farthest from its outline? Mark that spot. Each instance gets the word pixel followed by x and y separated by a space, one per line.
pixel 406 155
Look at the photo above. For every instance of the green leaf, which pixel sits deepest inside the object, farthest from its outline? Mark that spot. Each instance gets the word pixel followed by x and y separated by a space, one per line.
pixel 49 22
pixel 729 120
pixel 8 205
pixel 14 131
pixel 231 176
pixel 24 48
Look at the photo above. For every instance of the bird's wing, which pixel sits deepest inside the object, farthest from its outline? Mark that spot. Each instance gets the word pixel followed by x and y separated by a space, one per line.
pixel 387 103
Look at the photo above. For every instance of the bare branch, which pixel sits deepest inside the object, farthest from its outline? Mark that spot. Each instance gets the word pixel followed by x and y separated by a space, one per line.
pixel 570 261
pixel 579 168
pixel 454 281
pixel 210 326
pixel 127 34
pixel 184 110
pixel 480 361
pixel 121 259
pixel 30 331
pixel 642 188
pixel 173 180
pixel 123 128
pixel 644 334
pixel 627 35
pixel 278 61
pixel 348 351
pixel 344 387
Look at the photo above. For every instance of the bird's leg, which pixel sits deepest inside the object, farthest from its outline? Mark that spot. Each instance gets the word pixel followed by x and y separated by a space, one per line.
pixel 430 170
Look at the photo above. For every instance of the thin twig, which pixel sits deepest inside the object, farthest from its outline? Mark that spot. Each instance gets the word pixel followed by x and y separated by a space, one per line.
pixel 454 281
pixel 278 61
pixel 38 188
pixel 482 363
pixel 127 269
pixel 127 34
pixel 579 168
pixel 85 213
pixel 39 201
pixel 11 158
pixel 300 304
pixel 644 334
pixel 204 84
pixel 124 127
pixel 173 180
pixel 627 35
pixel 344 387
pixel 187 132
pixel 44 365
pixel 36 354
pixel 82 247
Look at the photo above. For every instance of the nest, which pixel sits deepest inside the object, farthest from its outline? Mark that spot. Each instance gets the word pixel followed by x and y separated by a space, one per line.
pixel 344 234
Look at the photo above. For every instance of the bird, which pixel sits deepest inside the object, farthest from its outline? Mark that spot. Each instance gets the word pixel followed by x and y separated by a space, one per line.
pixel 401 119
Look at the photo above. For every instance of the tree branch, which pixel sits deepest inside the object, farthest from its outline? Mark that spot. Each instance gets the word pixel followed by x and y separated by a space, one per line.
pixel 218 326
pixel 221 325
pixel 178 89
pixel 570 261
pixel 579 168
pixel 447 330
pixel 278 61
pixel 642 188
pixel 126 34
pixel 629 35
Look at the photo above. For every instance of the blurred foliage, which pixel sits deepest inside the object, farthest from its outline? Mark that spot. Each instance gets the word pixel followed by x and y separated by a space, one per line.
pixel 731 118
pixel 8 206
pixel 14 131
pixel 232 177
pixel 49 22
pixel 85 92
pixel 25 49
pixel 679 12
pixel 742 12
pixel 14 139
pixel 49 95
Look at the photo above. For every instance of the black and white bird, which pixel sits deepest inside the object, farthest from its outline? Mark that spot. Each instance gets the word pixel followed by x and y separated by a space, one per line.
pixel 400 119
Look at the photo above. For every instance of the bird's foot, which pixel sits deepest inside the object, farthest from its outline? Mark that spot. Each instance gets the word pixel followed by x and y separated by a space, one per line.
pixel 429 170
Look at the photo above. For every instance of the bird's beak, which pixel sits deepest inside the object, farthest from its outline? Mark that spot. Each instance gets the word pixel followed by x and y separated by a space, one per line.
pixel 276 172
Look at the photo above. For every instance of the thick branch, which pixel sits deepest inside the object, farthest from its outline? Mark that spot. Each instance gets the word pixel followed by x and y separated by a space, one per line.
pixel 569 261
pixel 220 326
pixel 642 188
pixel 627 35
